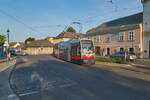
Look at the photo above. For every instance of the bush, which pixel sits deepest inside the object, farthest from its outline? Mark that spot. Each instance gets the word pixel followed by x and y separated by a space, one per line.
pixel 110 60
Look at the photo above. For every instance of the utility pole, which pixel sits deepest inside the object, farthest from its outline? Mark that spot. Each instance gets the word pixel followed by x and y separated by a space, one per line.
pixel 80 26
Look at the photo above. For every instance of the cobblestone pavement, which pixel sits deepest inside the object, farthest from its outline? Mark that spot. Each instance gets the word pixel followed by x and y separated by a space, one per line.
pixel 47 78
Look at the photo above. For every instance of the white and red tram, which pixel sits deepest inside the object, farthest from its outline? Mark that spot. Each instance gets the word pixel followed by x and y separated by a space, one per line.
pixel 80 51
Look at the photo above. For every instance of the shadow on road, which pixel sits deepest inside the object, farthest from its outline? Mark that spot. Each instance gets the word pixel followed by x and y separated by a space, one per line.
pixel 48 74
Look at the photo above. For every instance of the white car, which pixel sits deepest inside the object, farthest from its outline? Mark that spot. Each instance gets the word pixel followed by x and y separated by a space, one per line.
pixel 21 53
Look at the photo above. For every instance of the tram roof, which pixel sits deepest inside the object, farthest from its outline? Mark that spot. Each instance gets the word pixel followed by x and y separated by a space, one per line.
pixel 73 41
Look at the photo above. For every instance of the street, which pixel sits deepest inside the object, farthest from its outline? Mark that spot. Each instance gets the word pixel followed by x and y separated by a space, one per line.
pixel 44 77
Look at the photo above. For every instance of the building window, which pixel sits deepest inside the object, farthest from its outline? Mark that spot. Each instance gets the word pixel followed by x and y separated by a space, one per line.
pixel 97 38
pixel 131 36
pixel 108 38
pixel 115 37
pixel 121 36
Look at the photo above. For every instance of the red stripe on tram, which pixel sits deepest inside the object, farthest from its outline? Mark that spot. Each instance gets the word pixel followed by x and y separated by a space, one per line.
pixel 63 55
pixel 78 57
pixel 85 57
pixel 90 57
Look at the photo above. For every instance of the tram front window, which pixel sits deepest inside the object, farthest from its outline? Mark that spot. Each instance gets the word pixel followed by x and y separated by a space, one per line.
pixel 87 44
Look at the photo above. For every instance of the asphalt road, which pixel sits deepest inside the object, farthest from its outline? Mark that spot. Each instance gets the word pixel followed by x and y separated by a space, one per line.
pixel 47 78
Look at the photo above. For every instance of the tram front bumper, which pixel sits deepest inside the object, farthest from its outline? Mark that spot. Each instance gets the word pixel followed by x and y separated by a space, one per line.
pixel 89 61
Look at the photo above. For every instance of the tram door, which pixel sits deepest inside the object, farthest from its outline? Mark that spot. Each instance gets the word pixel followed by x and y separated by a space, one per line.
pixel 69 53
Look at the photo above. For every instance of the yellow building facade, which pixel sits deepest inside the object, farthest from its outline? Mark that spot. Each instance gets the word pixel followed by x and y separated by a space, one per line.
pixel 55 41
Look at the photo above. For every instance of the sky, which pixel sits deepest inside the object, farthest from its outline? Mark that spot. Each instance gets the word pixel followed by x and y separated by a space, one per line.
pixel 42 18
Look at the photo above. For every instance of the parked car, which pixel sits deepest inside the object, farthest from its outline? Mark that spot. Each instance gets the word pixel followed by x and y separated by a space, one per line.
pixel 130 56
pixel 12 51
pixel 21 53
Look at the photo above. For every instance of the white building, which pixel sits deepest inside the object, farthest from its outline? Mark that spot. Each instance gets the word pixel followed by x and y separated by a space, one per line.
pixel 146 28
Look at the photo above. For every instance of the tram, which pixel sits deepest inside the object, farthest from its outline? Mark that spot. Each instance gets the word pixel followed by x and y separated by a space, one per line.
pixel 80 51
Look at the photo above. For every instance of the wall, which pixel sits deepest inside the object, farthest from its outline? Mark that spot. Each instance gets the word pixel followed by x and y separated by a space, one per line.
pixel 146 28
pixel 39 51
pixel 146 15
pixel 146 44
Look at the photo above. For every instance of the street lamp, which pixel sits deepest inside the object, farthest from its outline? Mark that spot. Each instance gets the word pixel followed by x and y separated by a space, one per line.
pixel 8 35
pixel 8 55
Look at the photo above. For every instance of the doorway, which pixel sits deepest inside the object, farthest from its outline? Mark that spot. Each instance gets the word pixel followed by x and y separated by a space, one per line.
pixel 121 49
pixel 108 51
pixel 97 50
pixel 131 50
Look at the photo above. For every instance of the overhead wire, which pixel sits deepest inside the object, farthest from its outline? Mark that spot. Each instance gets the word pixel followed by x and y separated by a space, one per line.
pixel 19 21
pixel 90 19
pixel 104 14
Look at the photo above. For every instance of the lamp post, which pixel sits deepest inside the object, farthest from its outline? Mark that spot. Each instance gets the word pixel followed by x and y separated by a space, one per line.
pixel 8 35
pixel 8 53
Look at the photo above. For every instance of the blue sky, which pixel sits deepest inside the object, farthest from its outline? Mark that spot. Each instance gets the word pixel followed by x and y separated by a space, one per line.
pixel 40 18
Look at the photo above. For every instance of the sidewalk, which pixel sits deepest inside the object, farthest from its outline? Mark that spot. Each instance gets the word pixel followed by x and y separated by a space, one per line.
pixel 141 63
pixel 111 64
pixel 2 59
pixel 5 91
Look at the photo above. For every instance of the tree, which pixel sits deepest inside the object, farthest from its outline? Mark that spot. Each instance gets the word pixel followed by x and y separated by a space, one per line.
pixel 2 39
pixel 71 29
pixel 29 40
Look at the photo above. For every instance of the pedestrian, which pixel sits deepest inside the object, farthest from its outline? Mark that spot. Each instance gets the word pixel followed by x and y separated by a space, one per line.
pixel 125 57
pixel 8 56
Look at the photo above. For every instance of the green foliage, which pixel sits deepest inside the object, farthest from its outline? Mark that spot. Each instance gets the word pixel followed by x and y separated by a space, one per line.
pixel 29 40
pixel 2 39
pixel 71 29
pixel 110 60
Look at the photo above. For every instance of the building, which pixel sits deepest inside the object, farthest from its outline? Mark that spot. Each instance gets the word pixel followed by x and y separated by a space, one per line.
pixel 146 28
pixel 55 41
pixel 39 47
pixel 16 45
pixel 65 36
pixel 123 34
pixel 68 35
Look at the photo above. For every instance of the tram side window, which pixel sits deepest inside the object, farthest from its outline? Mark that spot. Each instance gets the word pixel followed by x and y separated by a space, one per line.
pixel 72 51
pixel 78 51
pixel 75 51
pixel 65 51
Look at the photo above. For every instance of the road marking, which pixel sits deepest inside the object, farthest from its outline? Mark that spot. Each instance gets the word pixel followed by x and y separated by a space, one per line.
pixel 13 97
pixel 68 85
pixel 138 65
pixel 29 93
